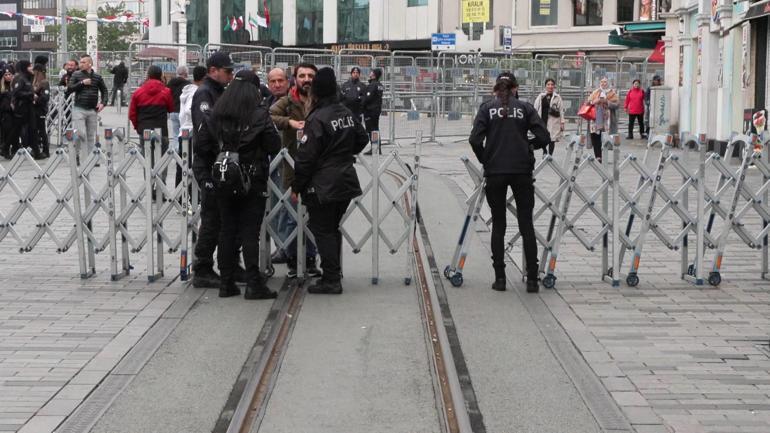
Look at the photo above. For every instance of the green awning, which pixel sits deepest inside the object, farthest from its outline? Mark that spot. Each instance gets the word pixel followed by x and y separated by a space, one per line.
pixel 636 40
pixel 645 26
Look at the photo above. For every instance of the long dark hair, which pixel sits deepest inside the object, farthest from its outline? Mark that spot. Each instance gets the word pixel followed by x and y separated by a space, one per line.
pixel 504 87
pixel 238 103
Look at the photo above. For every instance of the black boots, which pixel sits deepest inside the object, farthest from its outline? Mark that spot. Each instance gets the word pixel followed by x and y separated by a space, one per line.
pixel 257 289
pixel 532 285
pixel 205 278
pixel 324 287
pixel 499 283
pixel 227 288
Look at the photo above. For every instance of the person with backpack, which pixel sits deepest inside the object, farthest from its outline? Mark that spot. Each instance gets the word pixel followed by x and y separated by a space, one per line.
pixel 246 138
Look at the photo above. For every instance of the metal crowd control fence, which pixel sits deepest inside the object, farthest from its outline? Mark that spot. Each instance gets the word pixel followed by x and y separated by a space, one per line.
pixel 659 198
pixel 59 116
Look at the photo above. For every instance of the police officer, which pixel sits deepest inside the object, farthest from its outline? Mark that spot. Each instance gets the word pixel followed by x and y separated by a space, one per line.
pixel 352 93
pixel 499 140
pixel 205 150
pixel 324 173
pixel 373 102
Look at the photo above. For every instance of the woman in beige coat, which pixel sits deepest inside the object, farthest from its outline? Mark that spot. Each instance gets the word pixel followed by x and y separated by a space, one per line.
pixel 550 107
pixel 605 100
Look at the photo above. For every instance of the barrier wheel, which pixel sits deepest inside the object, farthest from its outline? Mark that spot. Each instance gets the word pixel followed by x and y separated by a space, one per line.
pixel 691 270
pixel 632 280
pixel 715 278
pixel 610 271
pixel 447 272
pixel 270 271
pixel 456 280
pixel 549 281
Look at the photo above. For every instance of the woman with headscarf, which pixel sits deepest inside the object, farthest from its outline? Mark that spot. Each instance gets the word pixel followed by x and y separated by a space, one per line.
pixel 605 100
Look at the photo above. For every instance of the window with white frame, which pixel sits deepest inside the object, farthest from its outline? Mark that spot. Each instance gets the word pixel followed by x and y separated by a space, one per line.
pixel 8 41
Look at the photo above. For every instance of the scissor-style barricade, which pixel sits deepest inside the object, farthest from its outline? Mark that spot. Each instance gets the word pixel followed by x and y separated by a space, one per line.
pixel 745 188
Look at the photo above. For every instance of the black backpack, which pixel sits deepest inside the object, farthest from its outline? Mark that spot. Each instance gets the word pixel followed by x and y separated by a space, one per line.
pixel 229 176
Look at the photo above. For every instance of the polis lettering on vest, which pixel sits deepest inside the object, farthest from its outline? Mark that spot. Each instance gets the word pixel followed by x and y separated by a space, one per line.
pixel 515 113
pixel 342 123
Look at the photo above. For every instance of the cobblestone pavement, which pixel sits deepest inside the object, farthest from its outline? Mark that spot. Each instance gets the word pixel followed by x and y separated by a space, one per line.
pixel 674 356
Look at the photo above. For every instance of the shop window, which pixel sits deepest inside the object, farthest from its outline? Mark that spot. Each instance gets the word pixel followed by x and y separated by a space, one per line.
pixel 588 12
pixel 310 18
pixel 352 20
pixel 544 12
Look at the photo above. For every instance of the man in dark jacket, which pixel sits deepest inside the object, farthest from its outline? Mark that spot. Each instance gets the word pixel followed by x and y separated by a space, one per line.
pixel 119 79
pixel 352 93
pixel 373 103
pixel 205 149
pixel 176 85
pixel 87 86
pixel 499 140
pixel 71 66
pixel 325 176
pixel 22 100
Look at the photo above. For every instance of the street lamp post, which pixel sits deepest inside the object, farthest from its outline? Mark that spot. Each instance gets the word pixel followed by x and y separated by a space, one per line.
pixel 182 29
pixel 92 31
pixel 63 29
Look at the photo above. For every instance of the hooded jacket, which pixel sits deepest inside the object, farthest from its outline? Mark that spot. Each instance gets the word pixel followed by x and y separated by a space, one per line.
pixel 150 105
pixel 185 106
pixel 501 144
pixel 324 162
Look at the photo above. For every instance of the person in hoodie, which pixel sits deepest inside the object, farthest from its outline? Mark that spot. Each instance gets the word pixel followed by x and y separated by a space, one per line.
pixel 149 107
pixel 22 102
pixel 324 173
pixel 185 109
pixel 240 126
pixel 634 106
pixel 499 140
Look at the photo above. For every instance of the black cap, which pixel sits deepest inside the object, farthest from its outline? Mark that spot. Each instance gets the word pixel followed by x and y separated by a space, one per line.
pixel 219 60
pixel 657 77
pixel 248 76
pixel 324 83
pixel 41 60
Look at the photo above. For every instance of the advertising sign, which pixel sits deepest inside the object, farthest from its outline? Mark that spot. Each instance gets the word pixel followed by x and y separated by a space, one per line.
pixel 475 11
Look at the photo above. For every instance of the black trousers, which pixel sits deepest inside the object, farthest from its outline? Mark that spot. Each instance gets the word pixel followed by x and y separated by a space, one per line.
pixel 548 150
pixel 41 134
pixel 240 221
pixel 114 93
pixel 523 189
pixel 325 225
pixel 372 123
pixel 631 118
pixel 208 233
pixel 596 144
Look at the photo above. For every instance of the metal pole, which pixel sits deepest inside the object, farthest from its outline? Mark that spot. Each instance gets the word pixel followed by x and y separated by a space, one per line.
pixel 92 33
pixel 375 138
pixel 701 210
pixel 63 28
pixel 158 178
pixel 616 212
pixel 111 204
pixel 76 203
pixel 147 133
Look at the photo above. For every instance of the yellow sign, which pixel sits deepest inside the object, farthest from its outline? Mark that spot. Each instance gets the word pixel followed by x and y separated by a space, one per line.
pixel 475 11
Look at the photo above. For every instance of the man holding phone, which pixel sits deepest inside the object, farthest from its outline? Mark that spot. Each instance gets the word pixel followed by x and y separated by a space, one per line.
pixel 87 86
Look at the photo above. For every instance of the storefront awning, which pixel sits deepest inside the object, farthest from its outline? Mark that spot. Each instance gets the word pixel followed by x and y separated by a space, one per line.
pixel 634 40
pixel 645 27
pixel 757 10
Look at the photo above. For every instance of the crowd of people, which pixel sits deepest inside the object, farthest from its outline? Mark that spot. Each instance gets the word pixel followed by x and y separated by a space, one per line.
pixel 24 97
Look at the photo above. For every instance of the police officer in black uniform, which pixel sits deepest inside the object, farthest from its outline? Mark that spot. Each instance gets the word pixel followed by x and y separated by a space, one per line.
pixel 352 93
pixel 499 140
pixel 324 173
pixel 205 150
pixel 373 103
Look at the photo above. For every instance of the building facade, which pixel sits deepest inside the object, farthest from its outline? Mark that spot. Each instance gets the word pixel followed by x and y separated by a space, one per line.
pixel 9 26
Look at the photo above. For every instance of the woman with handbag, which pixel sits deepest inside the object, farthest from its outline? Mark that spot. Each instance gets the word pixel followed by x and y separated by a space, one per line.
pixel 550 107
pixel 604 100
pixel 247 137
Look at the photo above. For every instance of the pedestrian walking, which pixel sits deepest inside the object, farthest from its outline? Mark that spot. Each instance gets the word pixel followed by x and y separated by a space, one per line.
pixel 149 108
pixel 603 99
pixel 634 106
pixel 325 176
pixel 289 114
pixel 550 107
pixel 205 149
pixel 90 99
pixel 373 103
pixel 42 96
pixel 22 101
pixel 499 140
pixel 176 85
pixel 119 80
pixel 246 134
pixel 7 122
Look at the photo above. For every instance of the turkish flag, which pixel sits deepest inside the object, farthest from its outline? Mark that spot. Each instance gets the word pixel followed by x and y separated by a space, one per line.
pixel 658 54
pixel 267 13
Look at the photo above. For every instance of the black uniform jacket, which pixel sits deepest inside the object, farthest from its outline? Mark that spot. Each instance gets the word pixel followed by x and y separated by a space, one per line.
pixel 255 142
pixel 325 157
pixel 500 143
pixel 373 99
pixel 205 145
pixel 352 96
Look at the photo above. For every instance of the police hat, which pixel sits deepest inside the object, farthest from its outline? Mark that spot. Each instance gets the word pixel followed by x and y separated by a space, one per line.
pixel 219 60
pixel 248 76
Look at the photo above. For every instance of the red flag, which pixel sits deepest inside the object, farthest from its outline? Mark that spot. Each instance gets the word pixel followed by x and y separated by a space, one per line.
pixel 659 54
pixel 267 13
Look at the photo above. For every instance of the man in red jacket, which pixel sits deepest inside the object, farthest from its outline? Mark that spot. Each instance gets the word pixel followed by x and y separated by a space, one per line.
pixel 150 105
pixel 149 109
